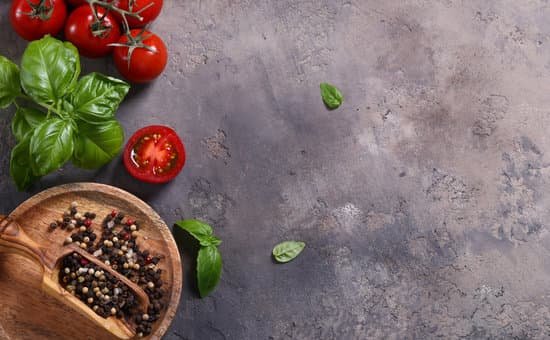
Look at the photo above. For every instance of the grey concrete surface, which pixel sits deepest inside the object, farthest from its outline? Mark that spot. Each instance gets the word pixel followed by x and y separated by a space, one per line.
pixel 423 199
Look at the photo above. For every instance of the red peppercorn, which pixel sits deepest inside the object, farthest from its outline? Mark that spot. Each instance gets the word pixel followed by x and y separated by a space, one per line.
pixel 126 237
pixel 84 262
pixel 129 222
pixel 114 213
pixel 87 222
pixel 148 259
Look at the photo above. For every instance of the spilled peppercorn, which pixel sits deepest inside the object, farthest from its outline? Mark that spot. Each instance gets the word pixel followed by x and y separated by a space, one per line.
pixel 117 247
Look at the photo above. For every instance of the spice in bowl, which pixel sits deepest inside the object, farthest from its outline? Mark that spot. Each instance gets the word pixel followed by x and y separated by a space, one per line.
pixel 117 246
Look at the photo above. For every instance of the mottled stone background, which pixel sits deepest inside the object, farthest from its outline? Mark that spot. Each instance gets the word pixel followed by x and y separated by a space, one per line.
pixel 423 199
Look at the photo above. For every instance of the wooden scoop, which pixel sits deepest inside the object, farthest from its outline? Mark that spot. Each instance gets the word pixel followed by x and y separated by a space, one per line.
pixel 13 239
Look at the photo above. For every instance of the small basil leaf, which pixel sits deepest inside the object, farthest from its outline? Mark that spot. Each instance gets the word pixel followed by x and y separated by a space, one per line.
pixel 10 85
pixel 210 241
pixel 97 144
pixel 288 250
pixel 49 69
pixel 67 106
pixel 97 97
pixel 209 269
pixel 51 145
pixel 332 97
pixel 20 165
pixel 200 230
pixel 25 120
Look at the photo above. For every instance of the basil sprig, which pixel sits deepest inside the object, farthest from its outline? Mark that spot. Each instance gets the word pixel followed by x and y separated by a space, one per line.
pixel 288 250
pixel 209 260
pixel 64 118
pixel 332 97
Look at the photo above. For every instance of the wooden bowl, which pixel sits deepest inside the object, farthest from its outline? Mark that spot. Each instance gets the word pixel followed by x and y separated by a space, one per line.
pixel 28 313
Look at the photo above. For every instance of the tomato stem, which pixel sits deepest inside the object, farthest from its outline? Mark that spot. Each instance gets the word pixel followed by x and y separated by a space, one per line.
pixel 123 13
pixel 40 10
pixel 133 42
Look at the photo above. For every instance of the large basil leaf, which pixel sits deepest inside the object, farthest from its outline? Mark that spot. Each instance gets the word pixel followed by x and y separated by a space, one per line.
pixel 20 165
pixel 49 69
pixel 209 269
pixel 10 86
pixel 51 145
pixel 97 144
pixel 97 97
pixel 25 120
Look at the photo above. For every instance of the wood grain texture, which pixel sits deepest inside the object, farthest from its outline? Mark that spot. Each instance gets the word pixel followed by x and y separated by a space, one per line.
pixel 14 240
pixel 27 312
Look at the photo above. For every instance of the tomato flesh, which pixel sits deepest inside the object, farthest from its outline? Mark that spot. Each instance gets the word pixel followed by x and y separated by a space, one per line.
pixel 154 154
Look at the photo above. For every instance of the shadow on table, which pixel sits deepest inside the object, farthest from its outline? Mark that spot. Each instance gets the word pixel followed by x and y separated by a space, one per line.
pixel 189 249
pixel 117 175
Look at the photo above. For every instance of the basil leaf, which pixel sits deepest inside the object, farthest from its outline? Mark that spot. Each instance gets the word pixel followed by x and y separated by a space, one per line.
pixel 49 69
pixel 51 145
pixel 97 97
pixel 25 120
pixel 66 106
pixel 209 269
pixel 20 165
pixel 10 86
pixel 210 241
pixel 332 97
pixel 98 144
pixel 200 230
pixel 288 250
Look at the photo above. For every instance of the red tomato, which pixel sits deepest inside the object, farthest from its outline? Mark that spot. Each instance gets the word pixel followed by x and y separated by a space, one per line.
pixel 91 37
pixel 76 3
pixel 154 154
pixel 137 63
pixel 33 19
pixel 151 13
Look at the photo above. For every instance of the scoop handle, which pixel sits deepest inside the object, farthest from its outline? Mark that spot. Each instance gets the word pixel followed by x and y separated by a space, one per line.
pixel 14 239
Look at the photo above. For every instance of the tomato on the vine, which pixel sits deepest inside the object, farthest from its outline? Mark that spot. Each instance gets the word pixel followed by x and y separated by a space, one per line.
pixel 90 35
pixel 76 3
pixel 151 12
pixel 33 19
pixel 141 58
pixel 154 154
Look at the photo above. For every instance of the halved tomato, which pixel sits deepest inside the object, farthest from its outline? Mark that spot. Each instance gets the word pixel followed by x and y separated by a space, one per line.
pixel 154 154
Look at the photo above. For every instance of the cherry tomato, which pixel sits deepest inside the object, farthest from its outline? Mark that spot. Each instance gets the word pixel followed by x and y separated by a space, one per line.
pixel 136 62
pixel 151 13
pixel 154 154
pixel 33 19
pixel 76 3
pixel 91 37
